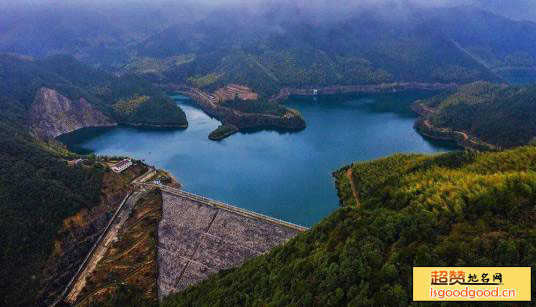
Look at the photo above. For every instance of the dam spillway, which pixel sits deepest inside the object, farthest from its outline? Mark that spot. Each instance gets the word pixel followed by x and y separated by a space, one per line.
pixel 198 237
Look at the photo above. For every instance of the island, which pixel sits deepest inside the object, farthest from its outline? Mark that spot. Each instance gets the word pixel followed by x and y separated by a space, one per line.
pixel 222 132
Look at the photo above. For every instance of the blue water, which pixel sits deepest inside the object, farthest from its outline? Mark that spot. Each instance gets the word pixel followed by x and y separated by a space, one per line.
pixel 284 175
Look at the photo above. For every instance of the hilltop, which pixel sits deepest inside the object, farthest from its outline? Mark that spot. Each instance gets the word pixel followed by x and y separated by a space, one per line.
pixel 244 113
pixel 68 67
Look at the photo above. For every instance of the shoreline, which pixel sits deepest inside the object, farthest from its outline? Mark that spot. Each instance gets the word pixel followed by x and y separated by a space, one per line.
pixel 79 128
pixel 216 135
pixel 287 92
pixel 291 121
pixel 153 125
pixel 424 126
pixel 245 121
pixel 120 124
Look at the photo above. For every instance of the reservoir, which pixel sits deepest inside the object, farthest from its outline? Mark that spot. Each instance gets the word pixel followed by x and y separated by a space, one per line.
pixel 284 175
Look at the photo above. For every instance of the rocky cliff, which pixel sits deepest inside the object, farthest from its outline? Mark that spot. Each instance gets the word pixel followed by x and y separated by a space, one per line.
pixel 52 114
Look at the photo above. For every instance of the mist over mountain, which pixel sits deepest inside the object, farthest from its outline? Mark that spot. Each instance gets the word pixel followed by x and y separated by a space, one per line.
pixel 516 9
pixel 269 45
pixel 273 44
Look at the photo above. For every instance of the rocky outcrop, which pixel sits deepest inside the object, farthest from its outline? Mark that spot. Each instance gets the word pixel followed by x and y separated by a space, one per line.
pixel 52 114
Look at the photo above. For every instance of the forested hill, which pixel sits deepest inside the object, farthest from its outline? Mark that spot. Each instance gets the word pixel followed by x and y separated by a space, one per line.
pixel 364 50
pixel 128 99
pixel 444 45
pixel 282 45
pixel 456 209
pixel 37 191
pixel 496 114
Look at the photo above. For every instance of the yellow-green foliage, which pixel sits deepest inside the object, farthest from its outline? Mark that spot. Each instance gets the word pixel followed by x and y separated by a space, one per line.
pixel 205 80
pixel 156 65
pixel 128 107
pixel 451 182
pixel 456 209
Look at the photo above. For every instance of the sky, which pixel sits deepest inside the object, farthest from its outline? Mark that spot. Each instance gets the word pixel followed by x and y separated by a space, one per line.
pixel 517 9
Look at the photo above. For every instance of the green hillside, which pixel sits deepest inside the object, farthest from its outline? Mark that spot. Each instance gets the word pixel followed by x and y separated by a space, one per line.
pixel 21 78
pixel 456 209
pixel 281 45
pixel 358 51
pixel 460 45
pixel 497 114
pixel 37 191
pixel 504 46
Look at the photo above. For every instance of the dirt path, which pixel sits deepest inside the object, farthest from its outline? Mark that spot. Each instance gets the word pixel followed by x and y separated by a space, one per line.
pixel 102 247
pixel 77 283
pixel 129 249
pixel 113 284
pixel 350 176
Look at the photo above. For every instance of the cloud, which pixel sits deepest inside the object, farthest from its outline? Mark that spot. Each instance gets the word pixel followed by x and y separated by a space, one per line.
pixel 321 10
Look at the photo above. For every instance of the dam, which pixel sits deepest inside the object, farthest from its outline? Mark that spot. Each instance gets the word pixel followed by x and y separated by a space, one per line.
pixel 198 237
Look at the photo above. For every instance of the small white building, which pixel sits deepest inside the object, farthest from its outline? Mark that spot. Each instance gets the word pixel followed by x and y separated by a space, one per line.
pixel 122 165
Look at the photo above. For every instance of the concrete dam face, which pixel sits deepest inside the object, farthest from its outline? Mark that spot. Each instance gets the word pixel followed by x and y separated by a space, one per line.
pixel 198 237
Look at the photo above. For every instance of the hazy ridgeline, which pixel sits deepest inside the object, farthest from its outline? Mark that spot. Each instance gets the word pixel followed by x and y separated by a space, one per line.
pixel 268 45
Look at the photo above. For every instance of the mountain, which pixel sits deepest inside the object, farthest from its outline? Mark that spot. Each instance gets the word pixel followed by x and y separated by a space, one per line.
pixel 53 211
pixel 71 67
pixel 502 45
pixel 455 209
pixel 459 45
pixel 363 50
pixel 59 94
pixel 96 34
pixel 282 46
pixel 498 115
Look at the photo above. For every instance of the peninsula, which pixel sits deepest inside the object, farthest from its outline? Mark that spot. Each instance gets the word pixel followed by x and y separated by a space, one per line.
pixel 481 116
pixel 242 110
